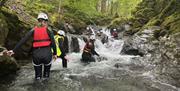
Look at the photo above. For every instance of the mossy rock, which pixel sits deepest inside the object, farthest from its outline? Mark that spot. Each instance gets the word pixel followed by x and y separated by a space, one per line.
pixel 101 20
pixel 117 22
pixel 169 9
pixel 154 22
pixel 13 26
pixel 173 21
pixel 77 24
pixel 158 13
pixel 3 29
pixel 160 32
pixel 137 24
pixel 8 65
pixel 146 13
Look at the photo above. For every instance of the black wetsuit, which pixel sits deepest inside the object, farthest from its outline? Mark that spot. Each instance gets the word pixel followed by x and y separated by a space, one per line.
pixel 87 56
pixel 41 55
pixel 63 53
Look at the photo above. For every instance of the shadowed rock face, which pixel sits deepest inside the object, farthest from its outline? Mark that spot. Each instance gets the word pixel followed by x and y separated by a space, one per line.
pixel 164 53
pixel 130 51
pixel 3 29
pixel 8 65
pixel 74 45
pixel 65 44
pixel 11 31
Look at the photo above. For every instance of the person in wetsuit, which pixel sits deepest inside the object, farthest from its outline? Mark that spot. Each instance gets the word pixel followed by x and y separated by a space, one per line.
pixel 43 41
pixel 89 51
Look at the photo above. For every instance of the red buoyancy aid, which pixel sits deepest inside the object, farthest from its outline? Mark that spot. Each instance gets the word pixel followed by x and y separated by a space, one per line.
pixel 88 47
pixel 41 37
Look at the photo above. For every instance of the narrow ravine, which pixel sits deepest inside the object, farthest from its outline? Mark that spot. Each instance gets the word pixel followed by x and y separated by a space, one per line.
pixel 110 72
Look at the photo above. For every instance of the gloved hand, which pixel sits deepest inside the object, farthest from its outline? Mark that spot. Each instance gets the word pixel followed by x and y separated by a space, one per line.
pixel 98 55
pixel 10 52
pixel 67 58
pixel 54 57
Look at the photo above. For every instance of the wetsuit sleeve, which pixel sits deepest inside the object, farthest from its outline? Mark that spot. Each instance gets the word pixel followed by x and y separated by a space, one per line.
pixel 60 40
pixel 51 35
pixel 94 52
pixel 23 40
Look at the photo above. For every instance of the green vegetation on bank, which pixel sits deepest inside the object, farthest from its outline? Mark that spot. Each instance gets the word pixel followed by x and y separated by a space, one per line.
pixel 163 13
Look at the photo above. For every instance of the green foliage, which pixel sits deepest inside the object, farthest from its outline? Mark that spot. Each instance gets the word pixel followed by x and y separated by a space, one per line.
pixel 158 13
pixel 117 22
pixel 172 22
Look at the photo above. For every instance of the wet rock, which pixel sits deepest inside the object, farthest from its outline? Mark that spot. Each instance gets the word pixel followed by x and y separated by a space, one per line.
pixel 74 45
pixel 8 65
pixel 128 49
pixel 66 44
pixel 119 65
pixel 85 39
pixel 131 52
pixel 12 25
pixel 163 53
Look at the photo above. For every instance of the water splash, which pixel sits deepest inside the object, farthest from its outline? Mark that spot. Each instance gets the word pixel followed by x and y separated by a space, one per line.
pixel 111 72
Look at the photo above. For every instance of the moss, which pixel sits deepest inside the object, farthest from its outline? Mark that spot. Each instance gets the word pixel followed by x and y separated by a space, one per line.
pixel 102 20
pixel 78 24
pixel 3 29
pixel 158 13
pixel 173 22
pixel 156 33
pixel 153 22
pixel 117 22
pixel 8 65
pixel 12 25
pixel 137 24
pixel 146 13
pixel 169 9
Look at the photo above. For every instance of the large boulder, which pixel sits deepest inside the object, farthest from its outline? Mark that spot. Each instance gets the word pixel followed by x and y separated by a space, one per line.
pixel 12 25
pixel 139 43
pixel 163 52
pixel 8 65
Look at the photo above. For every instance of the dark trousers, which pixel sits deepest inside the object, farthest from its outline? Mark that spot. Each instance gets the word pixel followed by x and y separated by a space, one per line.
pixel 87 57
pixel 42 57
pixel 64 61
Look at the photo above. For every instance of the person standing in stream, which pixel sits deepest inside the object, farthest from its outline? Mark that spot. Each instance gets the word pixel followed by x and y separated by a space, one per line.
pixel 59 40
pixel 43 41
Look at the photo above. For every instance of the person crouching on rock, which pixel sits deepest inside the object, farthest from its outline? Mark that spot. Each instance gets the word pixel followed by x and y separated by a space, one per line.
pixel 43 40
pixel 89 51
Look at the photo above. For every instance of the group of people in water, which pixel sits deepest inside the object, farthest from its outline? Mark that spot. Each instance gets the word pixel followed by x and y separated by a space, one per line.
pixel 48 45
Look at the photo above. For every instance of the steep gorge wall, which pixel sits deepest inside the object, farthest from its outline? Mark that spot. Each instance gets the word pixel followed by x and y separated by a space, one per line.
pixel 164 13
pixel 155 33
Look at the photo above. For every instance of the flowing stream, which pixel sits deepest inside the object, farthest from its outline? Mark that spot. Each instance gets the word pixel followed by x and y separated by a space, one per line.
pixel 110 72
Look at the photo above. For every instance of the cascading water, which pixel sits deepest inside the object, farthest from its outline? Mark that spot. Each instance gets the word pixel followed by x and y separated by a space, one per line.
pixel 110 72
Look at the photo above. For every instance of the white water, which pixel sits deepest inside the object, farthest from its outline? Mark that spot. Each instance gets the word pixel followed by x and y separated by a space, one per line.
pixel 110 51
pixel 130 74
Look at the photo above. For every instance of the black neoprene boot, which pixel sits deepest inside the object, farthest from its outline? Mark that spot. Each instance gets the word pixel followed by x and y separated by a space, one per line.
pixel 38 72
pixel 46 71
